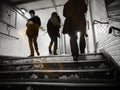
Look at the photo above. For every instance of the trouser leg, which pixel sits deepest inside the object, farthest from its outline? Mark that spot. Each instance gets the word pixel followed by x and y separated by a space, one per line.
pixel 55 46
pixel 83 34
pixel 82 43
pixel 31 46
pixel 36 45
pixel 50 46
pixel 73 44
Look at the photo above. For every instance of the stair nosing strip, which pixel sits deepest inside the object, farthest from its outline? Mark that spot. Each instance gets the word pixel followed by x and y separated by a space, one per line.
pixel 56 71
pixel 61 62
pixel 68 55
pixel 57 84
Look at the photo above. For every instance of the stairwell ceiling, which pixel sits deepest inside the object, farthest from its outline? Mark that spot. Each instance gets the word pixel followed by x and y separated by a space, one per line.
pixel 37 4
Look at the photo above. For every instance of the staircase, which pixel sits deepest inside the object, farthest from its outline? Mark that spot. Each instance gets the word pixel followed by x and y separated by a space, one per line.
pixel 57 72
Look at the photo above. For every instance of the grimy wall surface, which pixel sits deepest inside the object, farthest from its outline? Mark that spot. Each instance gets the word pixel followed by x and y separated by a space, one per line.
pixel 109 42
pixel 11 43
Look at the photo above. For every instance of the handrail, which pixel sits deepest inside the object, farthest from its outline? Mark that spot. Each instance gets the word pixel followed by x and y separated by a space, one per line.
pixel 113 28
pixel 93 29
pixel 9 35
pixel 96 21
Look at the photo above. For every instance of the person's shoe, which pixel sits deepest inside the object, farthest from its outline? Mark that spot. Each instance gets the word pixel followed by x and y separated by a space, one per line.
pixel 75 58
pixel 38 53
pixel 82 51
pixel 55 53
pixel 50 52
pixel 86 35
pixel 31 55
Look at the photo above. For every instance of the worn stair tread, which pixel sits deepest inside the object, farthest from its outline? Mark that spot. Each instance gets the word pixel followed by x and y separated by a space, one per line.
pixel 91 82
pixel 103 76
pixel 57 71
pixel 54 62
pixel 55 58
pixel 60 80
pixel 49 56
pixel 63 80
pixel 71 84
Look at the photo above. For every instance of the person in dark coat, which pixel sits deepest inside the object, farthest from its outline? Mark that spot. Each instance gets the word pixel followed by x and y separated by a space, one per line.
pixel 74 13
pixel 53 27
pixel 33 24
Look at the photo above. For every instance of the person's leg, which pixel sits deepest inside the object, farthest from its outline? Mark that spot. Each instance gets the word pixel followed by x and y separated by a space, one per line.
pixel 36 46
pixel 31 46
pixel 55 46
pixel 74 45
pixel 82 43
pixel 83 35
pixel 50 46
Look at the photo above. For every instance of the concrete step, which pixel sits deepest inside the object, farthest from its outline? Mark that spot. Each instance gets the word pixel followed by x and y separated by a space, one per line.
pixel 89 70
pixel 48 61
pixel 61 65
pixel 68 57
pixel 64 83
pixel 55 71
pixel 58 74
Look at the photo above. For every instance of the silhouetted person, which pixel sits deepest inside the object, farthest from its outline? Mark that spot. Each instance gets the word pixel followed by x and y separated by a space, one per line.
pixel 32 31
pixel 74 12
pixel 53 26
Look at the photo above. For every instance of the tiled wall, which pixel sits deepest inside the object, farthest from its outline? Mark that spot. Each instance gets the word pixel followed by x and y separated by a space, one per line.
pixel 10 46
pixel 20 47
pixel 106 41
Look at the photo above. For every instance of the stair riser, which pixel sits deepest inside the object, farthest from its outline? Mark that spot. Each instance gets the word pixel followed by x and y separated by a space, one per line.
pixel 62 66
pixel 59 75
pixel 56 70
pixel 48 59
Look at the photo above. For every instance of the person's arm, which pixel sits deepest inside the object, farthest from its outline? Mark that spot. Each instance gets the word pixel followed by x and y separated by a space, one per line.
pixel 28 23
pixel 59 20
pixel 42 29
pixel 64 13
pixel 37 20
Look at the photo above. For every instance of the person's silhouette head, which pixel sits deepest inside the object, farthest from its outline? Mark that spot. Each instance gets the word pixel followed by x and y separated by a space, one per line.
pixel 32 13
pixel 54 14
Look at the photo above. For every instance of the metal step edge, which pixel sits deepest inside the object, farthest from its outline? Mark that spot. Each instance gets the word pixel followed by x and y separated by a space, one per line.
pixel 56 71
pixel 61 84
pixel 55 62
pixel 35 57
pixel 62 80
